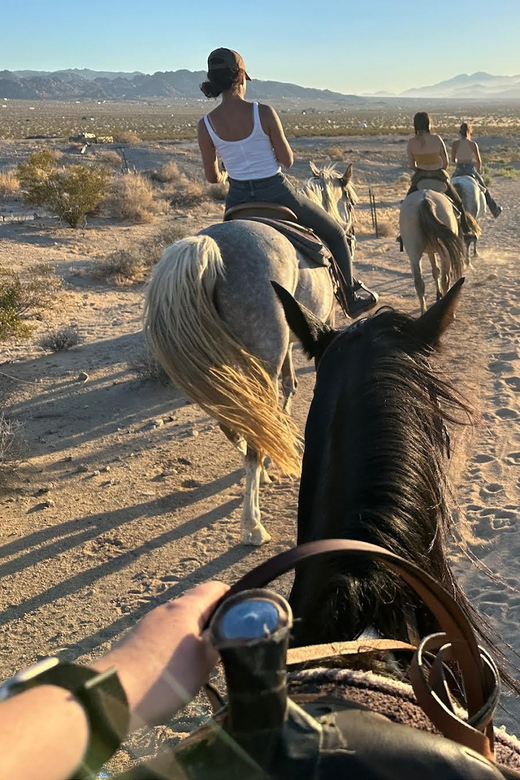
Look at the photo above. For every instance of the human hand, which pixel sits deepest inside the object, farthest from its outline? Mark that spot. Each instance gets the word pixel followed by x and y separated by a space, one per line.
pixel 164 660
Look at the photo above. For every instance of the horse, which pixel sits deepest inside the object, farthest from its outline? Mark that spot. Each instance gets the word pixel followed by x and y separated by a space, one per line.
pixel 213 323
pixel 474 202
pixel 428 224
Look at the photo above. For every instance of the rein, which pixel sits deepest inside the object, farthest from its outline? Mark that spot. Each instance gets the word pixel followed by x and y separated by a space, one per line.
pixel 456 643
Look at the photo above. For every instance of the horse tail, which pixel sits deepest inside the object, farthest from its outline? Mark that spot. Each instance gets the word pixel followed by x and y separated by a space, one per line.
pixel 204 359
pixel 472 222
pixel 440 237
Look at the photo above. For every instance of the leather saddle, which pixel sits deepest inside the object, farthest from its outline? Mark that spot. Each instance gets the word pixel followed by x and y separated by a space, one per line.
pixel 285 221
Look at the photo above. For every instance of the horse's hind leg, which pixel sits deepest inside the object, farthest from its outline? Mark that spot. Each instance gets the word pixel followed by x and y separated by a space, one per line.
pixel 418 281
pixel 289 381
pixel 253 531
pixel 436 275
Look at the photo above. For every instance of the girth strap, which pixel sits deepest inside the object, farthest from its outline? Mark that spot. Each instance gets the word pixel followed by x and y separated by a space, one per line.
pixel 300 655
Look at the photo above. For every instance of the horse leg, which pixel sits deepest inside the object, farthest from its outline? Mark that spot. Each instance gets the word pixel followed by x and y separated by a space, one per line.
pixel 418 282
pixel 436 274
pixel 444 276
pixel 253 531
pixel 235 438
pixel 289 381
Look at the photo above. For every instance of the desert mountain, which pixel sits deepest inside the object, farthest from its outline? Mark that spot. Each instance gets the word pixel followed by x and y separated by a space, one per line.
pixel 477 85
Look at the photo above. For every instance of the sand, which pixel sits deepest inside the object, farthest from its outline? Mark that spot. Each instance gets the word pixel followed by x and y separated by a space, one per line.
pixel 144 491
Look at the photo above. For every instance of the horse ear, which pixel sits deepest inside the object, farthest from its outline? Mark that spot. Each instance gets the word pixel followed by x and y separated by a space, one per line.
pixel 439 317
pixel 347 175
pixel 314 170
pixel 313 334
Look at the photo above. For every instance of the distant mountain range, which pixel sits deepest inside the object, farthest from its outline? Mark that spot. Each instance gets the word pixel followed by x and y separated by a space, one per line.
pixel 83 84
pixel 77 84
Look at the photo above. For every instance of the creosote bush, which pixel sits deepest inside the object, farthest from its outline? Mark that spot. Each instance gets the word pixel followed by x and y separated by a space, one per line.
pixel 71 192
pixel 188 193
pixel 23 297
pixel 127 137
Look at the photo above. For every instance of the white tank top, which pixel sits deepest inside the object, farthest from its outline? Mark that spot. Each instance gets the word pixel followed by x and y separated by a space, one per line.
pixel 252 157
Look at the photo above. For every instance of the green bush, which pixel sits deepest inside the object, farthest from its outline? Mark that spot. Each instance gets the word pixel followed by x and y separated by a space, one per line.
pixel 23 297
pixel 71 192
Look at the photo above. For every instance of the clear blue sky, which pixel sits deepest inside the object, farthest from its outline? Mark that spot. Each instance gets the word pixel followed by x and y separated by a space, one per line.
pixel 344 45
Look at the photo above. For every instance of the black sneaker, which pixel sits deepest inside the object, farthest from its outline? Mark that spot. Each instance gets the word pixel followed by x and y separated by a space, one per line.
pixel 497 212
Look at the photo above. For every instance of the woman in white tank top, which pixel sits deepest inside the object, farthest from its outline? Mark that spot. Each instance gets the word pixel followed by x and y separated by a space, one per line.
pixel 250 140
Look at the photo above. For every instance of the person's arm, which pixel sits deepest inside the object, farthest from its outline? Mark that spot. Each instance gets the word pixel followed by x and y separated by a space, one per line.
pixel 273 127
pixel 443 153
pixel 454 148
pixel 478 158
pixel 411 159
pixel 161 664
pixel 208 154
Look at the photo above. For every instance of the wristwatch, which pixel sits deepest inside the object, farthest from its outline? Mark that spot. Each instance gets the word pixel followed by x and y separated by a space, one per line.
pixel 101 695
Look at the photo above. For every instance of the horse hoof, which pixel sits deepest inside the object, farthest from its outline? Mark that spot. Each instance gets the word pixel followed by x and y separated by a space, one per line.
pixel 265 479
pixel 256 537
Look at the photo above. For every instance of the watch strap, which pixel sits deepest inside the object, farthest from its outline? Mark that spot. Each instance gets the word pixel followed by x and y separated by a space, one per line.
pixel 106 706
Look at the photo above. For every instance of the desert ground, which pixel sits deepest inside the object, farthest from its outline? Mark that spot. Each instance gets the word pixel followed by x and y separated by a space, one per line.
pixel 125 494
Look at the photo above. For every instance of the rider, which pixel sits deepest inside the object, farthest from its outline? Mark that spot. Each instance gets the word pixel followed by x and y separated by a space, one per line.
pixel 466 155
pixel 428 160
pixel 252 145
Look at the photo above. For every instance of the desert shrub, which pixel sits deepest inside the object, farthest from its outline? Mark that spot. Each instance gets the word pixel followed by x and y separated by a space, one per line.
pixel 22 297
pixel 335 153
pixel 168 173
pixel 507 173
pixel 11 440
pixel 188 193
pixel 132 198
pixel 61 339
pixel 147 368
pixel 121 267
pixel 9 184
pixel 109 157
pixel 71 192
pixel 127 137
pixel 218 191
pixel 386 228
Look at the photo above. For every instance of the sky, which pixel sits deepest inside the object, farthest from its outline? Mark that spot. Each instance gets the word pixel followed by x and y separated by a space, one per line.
pixel 350 46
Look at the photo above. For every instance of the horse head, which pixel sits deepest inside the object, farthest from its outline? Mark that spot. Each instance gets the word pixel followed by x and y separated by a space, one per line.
pixel 374 468
pixel 334 192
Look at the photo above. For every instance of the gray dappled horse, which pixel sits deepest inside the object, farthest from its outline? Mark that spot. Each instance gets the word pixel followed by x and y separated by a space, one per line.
pixel 428 225
pixel 216 326
pixel 474 200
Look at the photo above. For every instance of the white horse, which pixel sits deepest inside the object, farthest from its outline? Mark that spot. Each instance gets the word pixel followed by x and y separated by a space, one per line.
pixel 428 225
pixel 473 198
pixel 215 325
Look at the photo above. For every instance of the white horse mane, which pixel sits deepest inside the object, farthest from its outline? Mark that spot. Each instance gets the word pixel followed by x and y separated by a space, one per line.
pixel 325 190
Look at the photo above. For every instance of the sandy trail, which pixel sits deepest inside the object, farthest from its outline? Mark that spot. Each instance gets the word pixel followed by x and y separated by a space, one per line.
pixel 145 493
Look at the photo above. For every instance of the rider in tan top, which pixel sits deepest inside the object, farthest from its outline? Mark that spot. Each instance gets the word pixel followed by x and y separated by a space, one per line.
pixel 428 159
pixel 466 155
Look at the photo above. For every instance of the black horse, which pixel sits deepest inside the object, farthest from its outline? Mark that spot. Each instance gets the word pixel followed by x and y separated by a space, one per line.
pixel 374 469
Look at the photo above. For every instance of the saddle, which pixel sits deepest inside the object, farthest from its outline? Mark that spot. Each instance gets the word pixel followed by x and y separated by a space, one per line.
pixel 285 221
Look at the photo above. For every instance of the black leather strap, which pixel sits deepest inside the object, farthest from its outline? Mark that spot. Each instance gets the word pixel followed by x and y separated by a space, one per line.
pixel 106 707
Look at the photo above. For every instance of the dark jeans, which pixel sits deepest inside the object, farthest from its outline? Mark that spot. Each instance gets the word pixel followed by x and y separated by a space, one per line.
pixel 276 189
pixel 451 192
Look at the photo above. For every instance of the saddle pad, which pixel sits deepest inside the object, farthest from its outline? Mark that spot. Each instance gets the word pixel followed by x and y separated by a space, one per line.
pixel 303 239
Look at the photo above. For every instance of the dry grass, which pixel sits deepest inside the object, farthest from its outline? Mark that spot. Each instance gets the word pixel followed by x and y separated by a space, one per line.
pixel 218 191
pixel 335 153
pixel 11 441
pixel 61 339
pixel 169 173
pixel 132 198
pixel 122 267
pixel 147 368
pixel 9 184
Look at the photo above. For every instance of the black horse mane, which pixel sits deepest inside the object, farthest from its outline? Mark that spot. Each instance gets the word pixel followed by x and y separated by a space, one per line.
pixel 374 469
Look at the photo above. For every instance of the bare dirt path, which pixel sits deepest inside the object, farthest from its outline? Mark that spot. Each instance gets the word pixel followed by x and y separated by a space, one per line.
pixel 129 494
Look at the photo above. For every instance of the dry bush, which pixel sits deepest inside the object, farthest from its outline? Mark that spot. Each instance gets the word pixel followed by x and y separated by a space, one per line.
pixel 9 184
pixel 11 440
pixel 147 368
pixel 218 191
pixel 188 193
pixel 132 198
pixel 109 157
pixel 61 339
pixel 23 297
pixel 169 173
pixel 386 228
pixel 121 267
pixel 127 137
pixel 335 153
